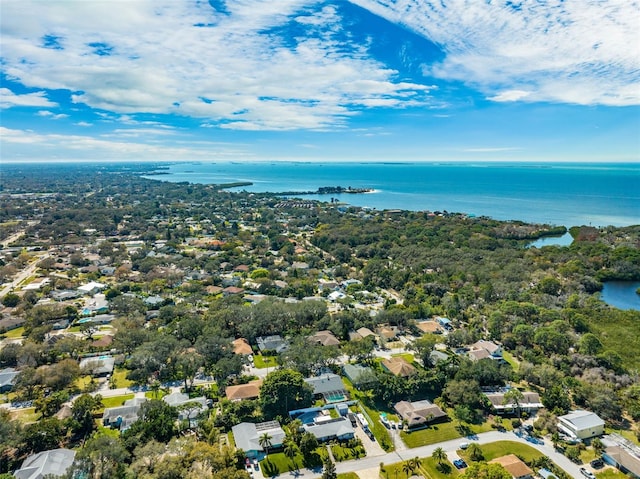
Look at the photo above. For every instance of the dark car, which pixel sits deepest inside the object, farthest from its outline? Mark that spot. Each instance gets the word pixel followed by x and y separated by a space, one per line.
pixel 597 463
pixel 459 463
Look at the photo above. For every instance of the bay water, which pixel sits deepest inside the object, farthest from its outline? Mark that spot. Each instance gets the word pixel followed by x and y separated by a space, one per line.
pixel 566 194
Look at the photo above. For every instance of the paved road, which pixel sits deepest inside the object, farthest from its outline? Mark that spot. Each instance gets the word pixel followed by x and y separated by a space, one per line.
pixel 372 462
pixel 24 274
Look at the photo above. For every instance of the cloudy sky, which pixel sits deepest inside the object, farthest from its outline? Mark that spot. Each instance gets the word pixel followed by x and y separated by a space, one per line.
pixel 320 80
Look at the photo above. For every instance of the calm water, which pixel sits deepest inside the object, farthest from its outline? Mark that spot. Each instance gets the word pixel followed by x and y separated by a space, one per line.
pixel 564 240
pixel 559 194
pixel 621 294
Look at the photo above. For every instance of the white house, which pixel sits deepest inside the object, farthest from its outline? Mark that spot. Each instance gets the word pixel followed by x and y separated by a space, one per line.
pixel 581 424
pixel 248 437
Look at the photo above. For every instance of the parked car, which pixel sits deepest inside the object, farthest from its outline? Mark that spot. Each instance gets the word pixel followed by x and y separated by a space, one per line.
pixel 464 445
pixel 459 463
pixel 587 474
pixel 597 463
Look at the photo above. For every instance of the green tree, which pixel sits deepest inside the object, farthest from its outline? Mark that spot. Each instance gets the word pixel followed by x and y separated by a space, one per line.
pixel 10 300
pixel 308 444
pixel 282 391
pixel 439 455
pixel 102 457
pixel 329 469
pixel 598 446
pixel 483 470
pixel 82 411
pixel 291 450
pixel 475 452
pixel 265 442
pixel 513 397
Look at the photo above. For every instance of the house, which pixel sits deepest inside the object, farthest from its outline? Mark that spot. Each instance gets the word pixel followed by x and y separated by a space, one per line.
pixel 387 333
pixel 340 429
pixel 65 295
pixel 623 454
pixel 122 417
pixel 358 375
pixel 241 346
pixel 398 366
pixel 325 338
pixel 92 288
pixel 251 390
pixel 52 463
pixel 529 403
pixel 514 466
pixel 419 413
pixel 328 386
pixel 272 343
pixel 581 424
pixel 7 378
pixel 231 290
pixel 100 366
pixel 361 333
pixel 213 290
pixel 429 327
pixel 336 295
pixel 445 323
pixel 485 349
pixel 153 302
pixel 179 400
pixel 248 435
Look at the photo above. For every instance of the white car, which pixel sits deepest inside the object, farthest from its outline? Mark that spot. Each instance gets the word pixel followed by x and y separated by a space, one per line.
pixel 586 473
pixel 464 445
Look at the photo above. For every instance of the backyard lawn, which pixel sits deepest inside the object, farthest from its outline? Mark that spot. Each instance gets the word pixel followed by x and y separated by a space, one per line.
pixel 262 362
pixel 14 333
pixel 348 475
pixel 434 471
pixel 120 378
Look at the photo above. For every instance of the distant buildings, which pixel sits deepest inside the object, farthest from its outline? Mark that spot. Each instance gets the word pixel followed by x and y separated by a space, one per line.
pixel 7 378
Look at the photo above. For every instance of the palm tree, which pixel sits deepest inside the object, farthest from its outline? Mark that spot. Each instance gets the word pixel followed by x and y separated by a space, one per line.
pixel 415 462
pixel 598 446
pixel 513 396
pixel 439 455
pixel 407 467
pixel 475 452
pixel 290 450
pixel 265 442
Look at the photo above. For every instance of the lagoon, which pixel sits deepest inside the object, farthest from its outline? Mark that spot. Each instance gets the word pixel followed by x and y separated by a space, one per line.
pixel 564 240
pixel 621 294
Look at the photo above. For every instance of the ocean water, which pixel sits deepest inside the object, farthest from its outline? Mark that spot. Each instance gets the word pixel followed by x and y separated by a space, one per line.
pixel 557 194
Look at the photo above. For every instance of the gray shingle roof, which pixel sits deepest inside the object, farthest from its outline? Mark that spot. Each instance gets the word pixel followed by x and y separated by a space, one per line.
pixel 54 462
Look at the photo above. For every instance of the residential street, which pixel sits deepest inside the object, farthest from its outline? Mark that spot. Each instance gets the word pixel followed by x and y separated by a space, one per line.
pixel 373 462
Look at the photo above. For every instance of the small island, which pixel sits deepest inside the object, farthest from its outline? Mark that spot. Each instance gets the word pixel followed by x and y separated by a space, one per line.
pixel 328 190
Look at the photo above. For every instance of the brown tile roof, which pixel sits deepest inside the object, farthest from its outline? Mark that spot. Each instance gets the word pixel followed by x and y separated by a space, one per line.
pixel 250 390
pixel 418 412
pixel 326 338
pixel 398 366
pixel 241 346
pixel 513 465
pixel 429 326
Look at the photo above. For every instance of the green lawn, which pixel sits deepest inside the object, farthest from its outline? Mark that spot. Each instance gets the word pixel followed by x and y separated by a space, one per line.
pixel 508 357
pixel 14 333
pixel 26 415
pixel 341 453
pixel 277 463
pixel 610 473
pixel 262 362
pixel 502 448
pixel 440 432
pixel 116 400
pixel 434 471
pixel 120 378
pixel 348 475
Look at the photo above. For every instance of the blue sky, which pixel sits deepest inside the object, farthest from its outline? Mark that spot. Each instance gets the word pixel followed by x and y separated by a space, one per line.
pixel 468 80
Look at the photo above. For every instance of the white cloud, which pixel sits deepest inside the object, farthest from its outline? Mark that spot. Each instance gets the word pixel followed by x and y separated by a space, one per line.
pixel 83 123
pixel 187 59
pixel 72 147
pixel 38 99
pixel 574 51
pixel 53 116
